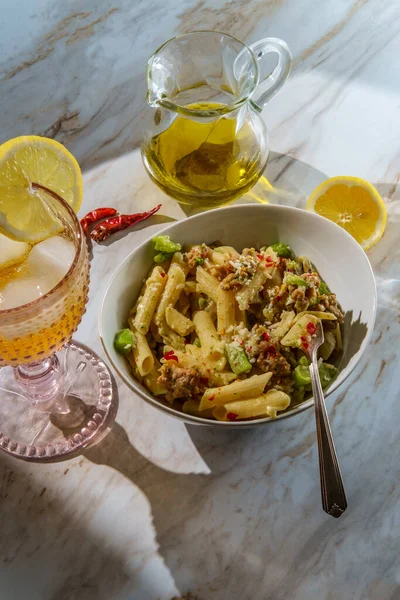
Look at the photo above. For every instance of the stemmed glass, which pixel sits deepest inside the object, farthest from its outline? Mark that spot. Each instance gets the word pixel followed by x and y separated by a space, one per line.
pixel 56 396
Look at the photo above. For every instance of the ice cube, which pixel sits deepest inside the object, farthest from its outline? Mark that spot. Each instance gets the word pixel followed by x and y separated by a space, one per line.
pixel 11 252
pixel 20 291
pixel 52 258
pixel 48 262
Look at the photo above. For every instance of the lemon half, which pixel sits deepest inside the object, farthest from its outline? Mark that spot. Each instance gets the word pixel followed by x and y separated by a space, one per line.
pixel 24 213
pixel 354 204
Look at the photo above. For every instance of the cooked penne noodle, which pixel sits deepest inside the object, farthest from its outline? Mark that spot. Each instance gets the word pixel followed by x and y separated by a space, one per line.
pixel 191 407
pixel 266 405
pixel 248 293
pixel 151 380
pixel 238 390
pixel 327 316
pixel 190 287
pixel 207 283
pixel 211 345
pixel 144 358
pixel 182 325
pixel 132 363
pixel 225 309
pixel 170 337
pixel 175 284
pixel 150 299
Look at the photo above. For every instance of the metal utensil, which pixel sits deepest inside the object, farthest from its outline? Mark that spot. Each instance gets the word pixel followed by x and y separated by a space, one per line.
pixel 332 490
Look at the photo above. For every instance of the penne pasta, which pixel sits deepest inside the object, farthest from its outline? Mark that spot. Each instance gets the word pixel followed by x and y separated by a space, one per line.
pixel 207 283
pixel 150 299
pixel 170 337
pixel 151 380
pixel 182 325
pixel 266 405
pixel 327 316
pixel 175 284
pixel 191 407
pixel 211 344
pixel 248 293
pixel 239 390
pixel 225 309
pixel 143 355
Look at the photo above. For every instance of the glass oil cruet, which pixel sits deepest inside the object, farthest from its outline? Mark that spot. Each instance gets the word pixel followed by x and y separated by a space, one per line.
pixel 207 143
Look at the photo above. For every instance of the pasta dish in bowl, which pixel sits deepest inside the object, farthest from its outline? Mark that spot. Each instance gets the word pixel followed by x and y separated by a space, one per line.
pixel 216 332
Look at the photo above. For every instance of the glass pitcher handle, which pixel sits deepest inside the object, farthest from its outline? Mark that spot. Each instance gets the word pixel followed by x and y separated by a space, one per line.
pixel 274 81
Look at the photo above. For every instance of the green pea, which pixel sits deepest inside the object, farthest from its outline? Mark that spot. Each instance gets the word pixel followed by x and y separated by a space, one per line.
pixel 124 341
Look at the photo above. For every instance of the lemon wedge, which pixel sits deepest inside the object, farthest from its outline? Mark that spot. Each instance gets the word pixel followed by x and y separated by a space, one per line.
pixel 354 204
pixel 25 215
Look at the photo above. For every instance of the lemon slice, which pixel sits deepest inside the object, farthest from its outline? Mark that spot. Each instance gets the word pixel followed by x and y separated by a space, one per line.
pixel 24 213
pixel 354 204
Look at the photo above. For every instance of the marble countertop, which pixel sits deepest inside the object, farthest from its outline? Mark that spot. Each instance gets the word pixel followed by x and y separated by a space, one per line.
pixel 161 509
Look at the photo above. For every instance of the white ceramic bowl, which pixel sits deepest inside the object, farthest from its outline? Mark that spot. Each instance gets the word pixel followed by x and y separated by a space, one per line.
pixel 337 256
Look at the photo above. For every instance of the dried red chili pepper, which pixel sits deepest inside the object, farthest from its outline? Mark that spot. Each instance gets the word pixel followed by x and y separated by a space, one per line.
pixel 104 229
pixel 96 215
pixel 231 416
pixel 211 398
pixel 260 256
pixel 268 259
pixel 265 336
pixel 311 328
pixel 170 356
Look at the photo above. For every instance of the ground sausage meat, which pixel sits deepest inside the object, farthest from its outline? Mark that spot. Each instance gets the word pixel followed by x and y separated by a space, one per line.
pixel 300 300
pixel 271 360
pixel 197 255
pixel 180 382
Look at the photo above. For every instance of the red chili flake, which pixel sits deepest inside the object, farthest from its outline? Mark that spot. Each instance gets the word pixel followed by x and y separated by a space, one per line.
pixel 271 350
pixel 311 328
pixel 204 380
pixel 170 356
pixel 232 416
pixel 211 398
pixel 304 342
pixel 163 274
pixel 260 256
pixel 268 259
pixel 265 336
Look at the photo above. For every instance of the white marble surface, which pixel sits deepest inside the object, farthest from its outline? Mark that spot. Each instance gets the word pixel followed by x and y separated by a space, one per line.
pixel 160 509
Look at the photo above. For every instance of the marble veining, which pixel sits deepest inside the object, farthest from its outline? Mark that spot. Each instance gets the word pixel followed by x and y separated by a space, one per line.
pixel 161 510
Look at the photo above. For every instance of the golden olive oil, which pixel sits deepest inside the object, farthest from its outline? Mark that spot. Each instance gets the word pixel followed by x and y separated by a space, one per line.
pixel 204 162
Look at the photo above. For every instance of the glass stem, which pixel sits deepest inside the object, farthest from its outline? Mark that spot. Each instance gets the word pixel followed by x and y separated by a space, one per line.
pixel 40 381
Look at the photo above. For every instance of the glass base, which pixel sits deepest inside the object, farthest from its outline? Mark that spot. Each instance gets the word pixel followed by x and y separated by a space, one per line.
pixel 73 414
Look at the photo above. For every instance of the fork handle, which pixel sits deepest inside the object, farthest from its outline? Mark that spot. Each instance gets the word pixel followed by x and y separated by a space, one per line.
pixel 332 490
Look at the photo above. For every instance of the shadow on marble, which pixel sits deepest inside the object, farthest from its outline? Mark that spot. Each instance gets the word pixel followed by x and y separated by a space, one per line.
pixel 55 541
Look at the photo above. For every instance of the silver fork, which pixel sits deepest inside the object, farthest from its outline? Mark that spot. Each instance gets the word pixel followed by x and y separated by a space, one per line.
pixel 332 490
